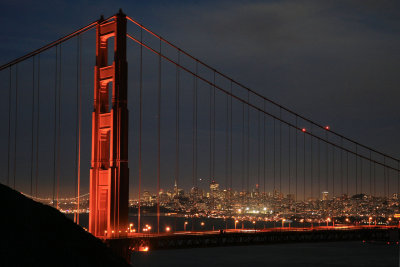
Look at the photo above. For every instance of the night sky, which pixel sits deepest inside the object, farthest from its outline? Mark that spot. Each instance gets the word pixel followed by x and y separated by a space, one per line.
pixel 336 62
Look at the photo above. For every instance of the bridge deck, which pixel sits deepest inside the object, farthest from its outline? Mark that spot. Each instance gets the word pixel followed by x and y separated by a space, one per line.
pixel 140 242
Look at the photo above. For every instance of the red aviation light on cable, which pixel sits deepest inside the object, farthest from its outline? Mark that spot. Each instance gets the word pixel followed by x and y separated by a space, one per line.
pixel 327 127
pixel 303 130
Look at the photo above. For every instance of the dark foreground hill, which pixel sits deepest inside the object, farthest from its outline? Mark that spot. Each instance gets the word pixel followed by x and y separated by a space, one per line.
pixel 33 234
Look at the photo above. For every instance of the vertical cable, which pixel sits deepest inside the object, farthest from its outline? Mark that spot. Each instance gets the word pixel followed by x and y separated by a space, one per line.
pixel 280 151
pixel 140 123
pixel 296 152
pixel 248 145
pixel 79 128
pixel 32 120
pixel 274 138
pixel 177 110
pixel 231 141
pixel 319 168
pixel 76 127
pixel 356 170
pixel 398 179
pixel 9 130
pixel 327 162
pixel 59 128
pixel 264 149
pixel 194 102
pixel 311 163
pixel 370 173
pixel 259 152
pixel 243 153
pixel 16 124
pixel 159 140
pixel 341 167
pixel 289 161
pixel 361 175
pixel 347 173
pixel 333 171
pixel 213 131
pixel 37 128
pixel 55 126
pixel 227 143
pixel 384 177
pixel 304 167
pixel 210 137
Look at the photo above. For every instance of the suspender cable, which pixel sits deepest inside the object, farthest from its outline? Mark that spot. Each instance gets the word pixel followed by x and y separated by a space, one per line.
pixel 32 121
pixel 248 148
pixel 296 132
pixel 327 162
pixel 311 164
pixel 194 103
pixel 289 161
pixel 213 130
pixel 319 169
pixel 341 167
pixel 227 144
pixel 280 151
pixel 384 178
pixel 177 125
pixel 79 129
pixel 274 138
pixel 333 171
pixel 231 141
pixel 370 174
pixel 361 175
pixel 59 130
pixel 140 125
pixel 37 128
pixel 356 170
pixel 210 137
pixel 196 129
pixel 264 150
pixel 304 167
pixel 9 130
pixel 259 152
pixel 243 154
pixel 347 173
pixel 76 126
pixel 16 124
pixel 374 179
pixel 398 179
pixel 55 127
pixel 159 141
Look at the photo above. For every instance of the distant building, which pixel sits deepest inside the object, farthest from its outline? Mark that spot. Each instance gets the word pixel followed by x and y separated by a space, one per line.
pixel 325 195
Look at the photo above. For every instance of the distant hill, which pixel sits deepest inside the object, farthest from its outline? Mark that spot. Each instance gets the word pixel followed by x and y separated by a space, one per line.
pixel 33 234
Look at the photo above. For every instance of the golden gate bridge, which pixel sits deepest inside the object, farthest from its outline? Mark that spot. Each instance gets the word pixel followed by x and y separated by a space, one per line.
pixel 187 121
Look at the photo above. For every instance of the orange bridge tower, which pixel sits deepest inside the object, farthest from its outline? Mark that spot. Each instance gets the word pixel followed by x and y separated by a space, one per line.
pixel 109 173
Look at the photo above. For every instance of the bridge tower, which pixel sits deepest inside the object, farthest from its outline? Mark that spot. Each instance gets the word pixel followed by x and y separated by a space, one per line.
pixel 109 173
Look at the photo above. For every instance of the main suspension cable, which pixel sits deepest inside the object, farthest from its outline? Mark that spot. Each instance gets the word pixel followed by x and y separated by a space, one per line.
pixel 252 105
pixel 252 91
